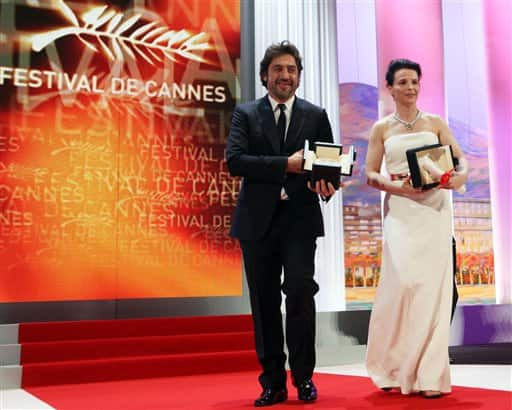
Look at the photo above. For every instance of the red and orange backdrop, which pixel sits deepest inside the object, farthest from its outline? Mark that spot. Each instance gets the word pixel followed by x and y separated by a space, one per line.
pixel 113 123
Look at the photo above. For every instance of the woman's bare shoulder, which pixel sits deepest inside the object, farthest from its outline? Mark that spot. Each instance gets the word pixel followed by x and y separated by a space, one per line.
pixel 381 126
pixel 434 118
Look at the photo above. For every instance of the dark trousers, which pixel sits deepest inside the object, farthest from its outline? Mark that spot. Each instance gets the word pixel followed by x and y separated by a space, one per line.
pixel 284 246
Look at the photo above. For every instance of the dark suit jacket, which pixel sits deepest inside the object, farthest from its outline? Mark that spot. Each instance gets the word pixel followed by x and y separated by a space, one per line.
pixel 253 153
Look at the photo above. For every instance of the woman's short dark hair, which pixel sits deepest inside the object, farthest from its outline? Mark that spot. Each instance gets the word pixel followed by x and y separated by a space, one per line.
pixel 277 50
pixel 395 65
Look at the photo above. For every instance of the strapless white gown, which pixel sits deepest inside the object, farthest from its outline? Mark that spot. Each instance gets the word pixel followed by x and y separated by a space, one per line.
pixel 410 321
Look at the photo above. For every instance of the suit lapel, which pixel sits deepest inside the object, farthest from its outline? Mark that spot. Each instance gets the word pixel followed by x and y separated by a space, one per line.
pixel 296 125
pixel 268 123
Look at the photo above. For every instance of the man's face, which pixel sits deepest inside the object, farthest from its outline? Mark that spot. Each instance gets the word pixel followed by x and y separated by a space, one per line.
pixel 282 78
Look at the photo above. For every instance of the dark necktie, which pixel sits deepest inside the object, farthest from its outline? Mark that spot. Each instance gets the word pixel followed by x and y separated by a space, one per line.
pixel 281 126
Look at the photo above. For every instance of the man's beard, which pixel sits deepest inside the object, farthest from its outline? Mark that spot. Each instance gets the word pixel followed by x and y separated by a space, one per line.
pixel 286 92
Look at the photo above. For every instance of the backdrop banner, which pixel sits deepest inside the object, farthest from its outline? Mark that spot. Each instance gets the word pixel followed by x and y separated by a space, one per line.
pixel 113 122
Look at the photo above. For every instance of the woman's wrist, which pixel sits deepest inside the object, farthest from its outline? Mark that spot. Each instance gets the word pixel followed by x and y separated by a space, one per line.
pixel 380 182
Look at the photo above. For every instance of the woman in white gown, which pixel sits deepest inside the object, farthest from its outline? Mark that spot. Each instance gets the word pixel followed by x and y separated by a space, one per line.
pixel 409 326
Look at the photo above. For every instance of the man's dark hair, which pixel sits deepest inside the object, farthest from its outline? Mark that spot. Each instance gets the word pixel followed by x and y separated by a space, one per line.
pixel 277 50
pixel 395 65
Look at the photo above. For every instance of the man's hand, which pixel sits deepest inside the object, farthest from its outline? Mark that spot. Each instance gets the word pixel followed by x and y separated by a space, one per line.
pixel 295 161
pixel 323 189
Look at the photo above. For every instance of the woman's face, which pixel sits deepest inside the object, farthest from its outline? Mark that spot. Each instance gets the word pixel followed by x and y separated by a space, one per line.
pixel 406 86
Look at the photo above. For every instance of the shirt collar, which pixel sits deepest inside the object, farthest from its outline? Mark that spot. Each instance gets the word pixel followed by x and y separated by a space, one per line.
pixel 289 103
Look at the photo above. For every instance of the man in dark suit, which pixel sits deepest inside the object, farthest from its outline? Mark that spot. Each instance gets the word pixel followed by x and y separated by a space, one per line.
pixel 277 220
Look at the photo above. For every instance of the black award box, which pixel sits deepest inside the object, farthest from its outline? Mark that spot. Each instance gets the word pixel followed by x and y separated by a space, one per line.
pixel 327 161
pixel 430 165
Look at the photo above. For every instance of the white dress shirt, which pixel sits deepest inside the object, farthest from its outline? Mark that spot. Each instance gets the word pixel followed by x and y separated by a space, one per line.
pixel 288 112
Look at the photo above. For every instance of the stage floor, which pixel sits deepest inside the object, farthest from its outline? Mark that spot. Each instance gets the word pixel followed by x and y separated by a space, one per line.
pixel 496 377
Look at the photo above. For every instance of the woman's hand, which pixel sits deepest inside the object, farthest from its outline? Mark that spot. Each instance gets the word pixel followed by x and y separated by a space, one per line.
pixel 407 188
pixel 456 181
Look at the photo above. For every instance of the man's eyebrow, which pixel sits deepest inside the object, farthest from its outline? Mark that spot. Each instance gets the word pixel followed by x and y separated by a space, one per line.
pixel 285 65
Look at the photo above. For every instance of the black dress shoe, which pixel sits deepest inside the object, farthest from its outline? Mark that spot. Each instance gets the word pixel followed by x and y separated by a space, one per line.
pixel 271 396
pixel 307 391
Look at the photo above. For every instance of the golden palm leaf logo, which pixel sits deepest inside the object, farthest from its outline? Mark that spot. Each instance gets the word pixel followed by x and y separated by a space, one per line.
pixel 118 38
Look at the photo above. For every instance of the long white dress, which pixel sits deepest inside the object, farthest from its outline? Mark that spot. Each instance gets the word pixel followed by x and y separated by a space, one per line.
pixel 410 321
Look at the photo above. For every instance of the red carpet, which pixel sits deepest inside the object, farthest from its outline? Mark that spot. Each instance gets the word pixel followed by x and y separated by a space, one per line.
pixel 91 351
pixel 95 329
pixel 238 390
pixel 186 363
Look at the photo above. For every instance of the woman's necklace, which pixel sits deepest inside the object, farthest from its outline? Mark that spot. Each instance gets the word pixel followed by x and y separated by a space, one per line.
pixel 408 125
